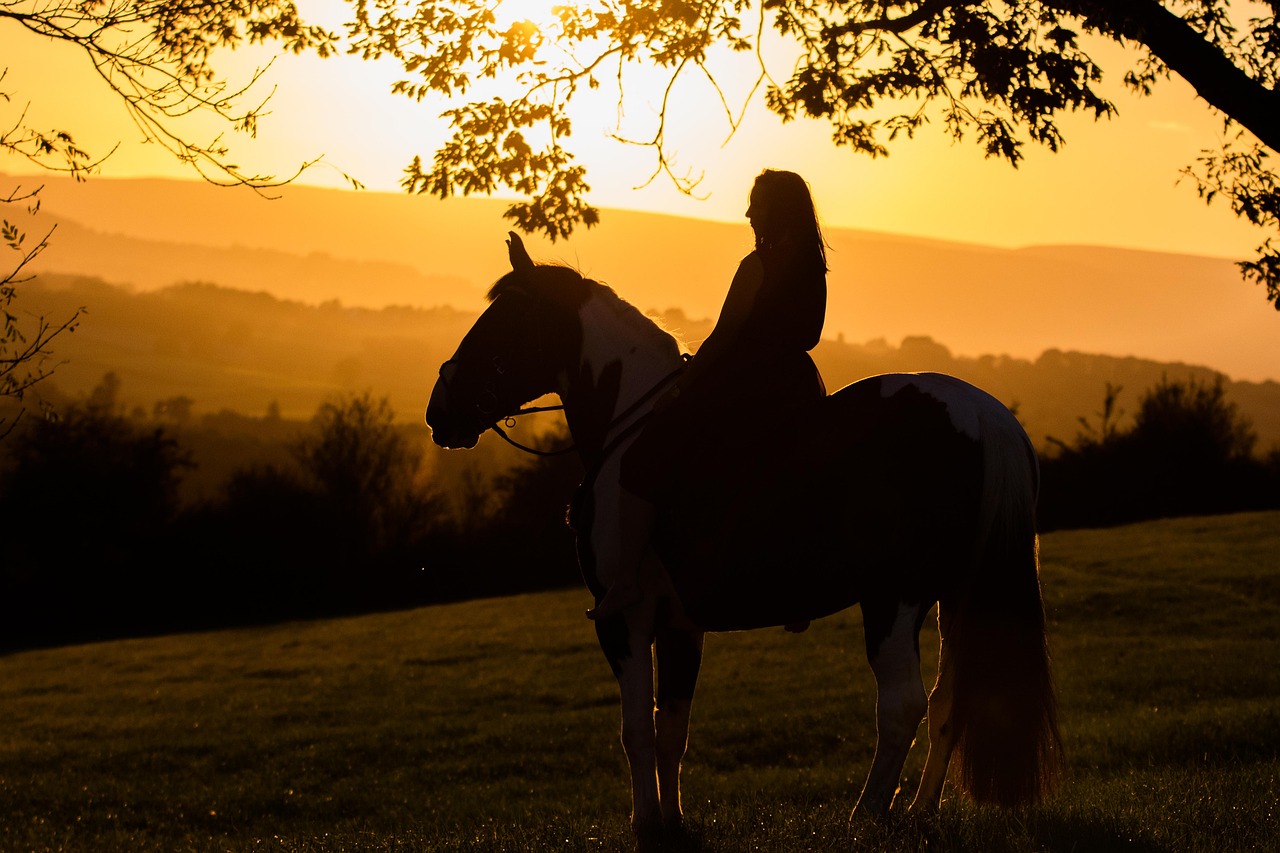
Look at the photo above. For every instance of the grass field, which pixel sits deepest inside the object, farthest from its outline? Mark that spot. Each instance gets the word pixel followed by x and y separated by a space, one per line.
pixel 491 725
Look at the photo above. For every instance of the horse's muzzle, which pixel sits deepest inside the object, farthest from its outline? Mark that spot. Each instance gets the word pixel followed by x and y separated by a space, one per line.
pixel 449 429
pixel 453 439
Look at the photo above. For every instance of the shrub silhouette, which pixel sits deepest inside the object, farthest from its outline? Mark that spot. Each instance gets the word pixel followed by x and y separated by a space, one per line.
pixel 523 541
pixel 1187 452
pixel 344 525
pixel 95 543
pixel 86 501
pixel 365 473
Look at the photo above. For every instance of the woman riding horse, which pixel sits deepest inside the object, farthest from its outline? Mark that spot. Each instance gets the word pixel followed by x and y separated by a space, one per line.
pixel 908 491
pixel 772 317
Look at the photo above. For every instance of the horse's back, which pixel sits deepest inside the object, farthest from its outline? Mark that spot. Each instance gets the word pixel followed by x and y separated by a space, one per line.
pixel 935 407
pixel 935 400
pixel 880 484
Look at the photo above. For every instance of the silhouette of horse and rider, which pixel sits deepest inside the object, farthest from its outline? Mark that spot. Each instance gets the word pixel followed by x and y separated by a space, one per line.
pixel 896 493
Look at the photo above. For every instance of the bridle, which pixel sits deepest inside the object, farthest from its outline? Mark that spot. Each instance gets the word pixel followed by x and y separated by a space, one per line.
pixel 487 406
pixel 509 420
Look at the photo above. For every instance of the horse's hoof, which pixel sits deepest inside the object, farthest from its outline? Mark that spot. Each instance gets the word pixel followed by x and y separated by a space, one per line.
pixel 924 811
pixel 651 837
pixel 865 814
pixel 671 836
pixel 674 823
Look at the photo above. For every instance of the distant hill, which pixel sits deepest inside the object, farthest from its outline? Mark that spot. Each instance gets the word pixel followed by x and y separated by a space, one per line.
pixel 375 249
pixel 242 351
pixel 312 277
pixel 231 349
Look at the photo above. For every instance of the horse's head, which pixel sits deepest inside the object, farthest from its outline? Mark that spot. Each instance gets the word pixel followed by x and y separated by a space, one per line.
pixel 512 354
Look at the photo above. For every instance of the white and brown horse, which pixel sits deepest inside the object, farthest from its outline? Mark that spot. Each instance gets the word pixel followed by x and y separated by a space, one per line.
pixel 924 491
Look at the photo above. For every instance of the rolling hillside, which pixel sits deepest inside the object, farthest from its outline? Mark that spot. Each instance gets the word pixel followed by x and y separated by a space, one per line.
pixel 374 249
pixel 230 349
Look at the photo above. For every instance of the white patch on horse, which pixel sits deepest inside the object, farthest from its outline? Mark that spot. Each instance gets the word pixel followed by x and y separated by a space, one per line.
pixel 897 666
pixel 901 703
pixel 608 325
pixel 613 331
pixel 956 396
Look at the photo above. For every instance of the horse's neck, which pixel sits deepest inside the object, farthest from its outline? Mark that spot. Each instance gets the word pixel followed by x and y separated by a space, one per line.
pixel 623 357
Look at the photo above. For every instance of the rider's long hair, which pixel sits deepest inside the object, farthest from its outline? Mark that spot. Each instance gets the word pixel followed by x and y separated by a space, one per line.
pixel 787 220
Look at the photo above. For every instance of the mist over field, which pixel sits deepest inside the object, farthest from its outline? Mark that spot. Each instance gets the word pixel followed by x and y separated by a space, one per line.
pixel 232 350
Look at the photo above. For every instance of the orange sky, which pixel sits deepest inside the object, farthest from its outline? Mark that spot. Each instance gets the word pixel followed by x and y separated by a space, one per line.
pixel 1114 183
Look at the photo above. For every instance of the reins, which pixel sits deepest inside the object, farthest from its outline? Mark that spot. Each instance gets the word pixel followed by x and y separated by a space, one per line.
pixel 510 420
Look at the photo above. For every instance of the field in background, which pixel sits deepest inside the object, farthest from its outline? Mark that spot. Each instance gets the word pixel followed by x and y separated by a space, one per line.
pixel 227 349
pixel 491 725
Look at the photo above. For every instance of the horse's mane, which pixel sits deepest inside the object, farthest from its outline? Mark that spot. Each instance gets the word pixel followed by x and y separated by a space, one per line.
pixel 554 283
pixel 567 289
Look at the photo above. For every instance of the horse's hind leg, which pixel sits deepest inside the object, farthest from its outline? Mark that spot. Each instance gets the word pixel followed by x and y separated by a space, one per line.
pixel 942 738
pixel 892 637
pixel 679 654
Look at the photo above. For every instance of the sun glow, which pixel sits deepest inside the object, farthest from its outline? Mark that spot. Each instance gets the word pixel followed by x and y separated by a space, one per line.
pixel 342 109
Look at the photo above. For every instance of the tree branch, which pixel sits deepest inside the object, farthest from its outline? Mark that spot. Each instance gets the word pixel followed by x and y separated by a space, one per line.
pixel 1213 75
pixel 924 12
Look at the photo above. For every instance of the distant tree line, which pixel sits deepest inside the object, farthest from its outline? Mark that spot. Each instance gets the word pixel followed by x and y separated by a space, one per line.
pixel 213 338
pixel 345 517
pixel 1188 451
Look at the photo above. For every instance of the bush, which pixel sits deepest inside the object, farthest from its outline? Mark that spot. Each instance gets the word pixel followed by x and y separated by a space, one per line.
pixel 523 543
pixel 1188 452
pixel 96 544
pixel 345 525
pixel 86 503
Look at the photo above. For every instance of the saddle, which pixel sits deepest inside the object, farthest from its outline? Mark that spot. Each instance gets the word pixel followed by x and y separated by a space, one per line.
pixel 746 537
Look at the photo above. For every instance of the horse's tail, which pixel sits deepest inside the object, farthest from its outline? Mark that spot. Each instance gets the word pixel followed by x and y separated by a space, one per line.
pixel 1003 706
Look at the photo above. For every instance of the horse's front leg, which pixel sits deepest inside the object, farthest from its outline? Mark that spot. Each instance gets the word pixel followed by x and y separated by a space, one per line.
pixel 628 646
pixel 679 657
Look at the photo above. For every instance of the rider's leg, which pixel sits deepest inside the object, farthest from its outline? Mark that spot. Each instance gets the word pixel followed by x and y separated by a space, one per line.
pixel 635 520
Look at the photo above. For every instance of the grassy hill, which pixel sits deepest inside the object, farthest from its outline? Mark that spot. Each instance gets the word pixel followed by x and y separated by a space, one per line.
pixel 491 725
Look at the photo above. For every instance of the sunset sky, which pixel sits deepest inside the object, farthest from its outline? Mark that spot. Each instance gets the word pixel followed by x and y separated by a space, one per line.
pixel 1115 184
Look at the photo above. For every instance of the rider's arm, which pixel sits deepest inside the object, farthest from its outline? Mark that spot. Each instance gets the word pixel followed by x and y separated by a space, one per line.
pixel 733 317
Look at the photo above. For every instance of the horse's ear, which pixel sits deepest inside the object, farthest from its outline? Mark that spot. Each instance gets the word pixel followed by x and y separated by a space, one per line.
pixel 520 260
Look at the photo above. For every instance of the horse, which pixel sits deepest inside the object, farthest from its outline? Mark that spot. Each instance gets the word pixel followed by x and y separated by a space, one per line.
pixel 934 503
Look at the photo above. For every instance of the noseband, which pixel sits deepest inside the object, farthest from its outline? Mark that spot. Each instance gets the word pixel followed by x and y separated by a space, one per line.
pixel 487 407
